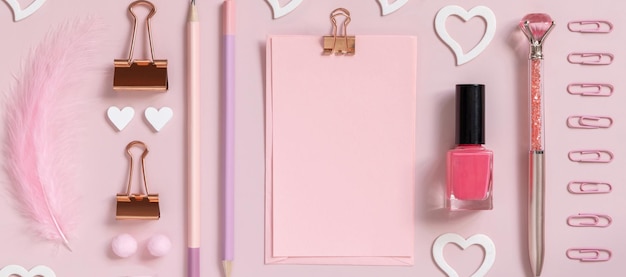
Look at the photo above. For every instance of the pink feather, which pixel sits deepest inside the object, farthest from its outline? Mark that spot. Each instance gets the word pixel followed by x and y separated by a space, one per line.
pixel 39 132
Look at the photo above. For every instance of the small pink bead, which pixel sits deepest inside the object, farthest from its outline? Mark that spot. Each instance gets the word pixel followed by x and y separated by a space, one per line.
pixel 159 245
pixel 124 245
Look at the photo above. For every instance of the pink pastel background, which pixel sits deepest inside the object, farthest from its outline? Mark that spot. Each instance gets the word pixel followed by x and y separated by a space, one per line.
pixel 102 165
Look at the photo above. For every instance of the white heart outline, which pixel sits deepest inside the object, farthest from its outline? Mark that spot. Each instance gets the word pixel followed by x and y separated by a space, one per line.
pixel 281 11
pixel 40 270
pixel 158 118
pixel 479 239
pixel 19 13
pixel 120 118
pixel 480 11
pixel 387 8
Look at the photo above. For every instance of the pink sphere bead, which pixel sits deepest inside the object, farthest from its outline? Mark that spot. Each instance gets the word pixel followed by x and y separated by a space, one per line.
pixel 159 245
pixel 124 245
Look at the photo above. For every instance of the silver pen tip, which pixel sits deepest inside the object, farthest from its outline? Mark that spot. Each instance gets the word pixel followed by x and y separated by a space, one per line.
pixel 193 2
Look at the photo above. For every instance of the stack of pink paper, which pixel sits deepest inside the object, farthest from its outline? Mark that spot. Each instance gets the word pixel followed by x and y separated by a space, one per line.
pixel 340 152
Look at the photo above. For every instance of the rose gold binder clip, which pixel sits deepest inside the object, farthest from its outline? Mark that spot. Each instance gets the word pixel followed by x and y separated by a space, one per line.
pixel 590 26
pixel 589 220
pixel 580 187
pixel 590 89
pixel 339 44
pixel 145 74
pixel 590 156
pixel 589 122
pixel 590 58
pixel 137 206
pixel 588 254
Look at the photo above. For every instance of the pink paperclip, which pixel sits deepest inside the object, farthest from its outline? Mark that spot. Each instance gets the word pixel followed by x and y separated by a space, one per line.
pixel 590 26
pixel 590 89
pixel 590 58
pixel 590 156
pixel 598 254
pixel 579 187
pixel 589 220
pixel 589 122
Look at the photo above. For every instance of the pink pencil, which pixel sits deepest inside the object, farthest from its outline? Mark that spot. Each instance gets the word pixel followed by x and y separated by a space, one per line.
pixel 229 135
pixel 193 142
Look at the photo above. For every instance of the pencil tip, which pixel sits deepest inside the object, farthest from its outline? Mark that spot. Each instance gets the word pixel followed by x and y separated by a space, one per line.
pixel 228 267
pixel 193 13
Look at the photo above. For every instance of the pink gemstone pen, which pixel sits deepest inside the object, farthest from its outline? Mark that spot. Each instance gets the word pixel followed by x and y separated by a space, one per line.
pixel 536 27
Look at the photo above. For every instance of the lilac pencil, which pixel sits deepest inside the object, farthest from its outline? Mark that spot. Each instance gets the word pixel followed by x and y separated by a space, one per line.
pixel 193 142
pixel 229 133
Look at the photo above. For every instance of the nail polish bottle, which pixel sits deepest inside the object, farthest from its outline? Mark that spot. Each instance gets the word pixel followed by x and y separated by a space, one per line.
pixel 469 164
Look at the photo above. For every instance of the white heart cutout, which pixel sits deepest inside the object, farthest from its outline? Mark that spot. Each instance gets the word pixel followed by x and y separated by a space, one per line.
pixel 38 271
pixel 480 11
pixel 281 11
pixel 481 240
pixel 19 13
pixel 389 8
pixel 158 118
pixel 120 118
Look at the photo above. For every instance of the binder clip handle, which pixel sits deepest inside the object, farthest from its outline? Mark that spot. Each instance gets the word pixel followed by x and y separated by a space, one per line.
pixel 333 19
pixel 131 165
pixel 339 43
pixel 139 205
pixel 150 15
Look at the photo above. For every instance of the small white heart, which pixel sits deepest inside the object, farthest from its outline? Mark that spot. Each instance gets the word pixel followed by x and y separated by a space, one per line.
pixel 158 118
pixel 281 11
pixel 120 118
pixel 38 271
pixel 389 8
pixel 480 11
pixel 19 13
pixel 481 240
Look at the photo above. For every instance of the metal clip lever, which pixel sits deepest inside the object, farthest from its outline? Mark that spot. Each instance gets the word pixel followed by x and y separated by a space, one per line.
pixel 137 205
pixel 339 44
pixel 145 74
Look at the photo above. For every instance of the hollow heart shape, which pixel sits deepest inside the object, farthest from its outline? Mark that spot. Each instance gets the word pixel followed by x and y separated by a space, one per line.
pixel 481 240
pixel 281 11
pixel 16 270
pixel 389 8
pixel 120 118
pixel 480 11
pixel 158 118
pixel 19 13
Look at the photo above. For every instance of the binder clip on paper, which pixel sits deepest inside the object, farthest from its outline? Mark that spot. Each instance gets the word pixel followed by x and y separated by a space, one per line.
pixel 145 74
pixel 339 45
pixel 137 206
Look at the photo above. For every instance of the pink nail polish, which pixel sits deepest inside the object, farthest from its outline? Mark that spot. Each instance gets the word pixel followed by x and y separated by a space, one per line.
pixel 470 164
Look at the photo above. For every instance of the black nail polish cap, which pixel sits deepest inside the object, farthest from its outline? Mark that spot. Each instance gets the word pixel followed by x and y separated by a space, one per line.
pixel 470 114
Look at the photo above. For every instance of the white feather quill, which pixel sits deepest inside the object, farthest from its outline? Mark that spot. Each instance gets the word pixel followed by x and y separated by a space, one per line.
pixel 39 132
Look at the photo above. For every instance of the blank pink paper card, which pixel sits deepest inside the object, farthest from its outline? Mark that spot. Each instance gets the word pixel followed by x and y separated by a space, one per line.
pixel 340 152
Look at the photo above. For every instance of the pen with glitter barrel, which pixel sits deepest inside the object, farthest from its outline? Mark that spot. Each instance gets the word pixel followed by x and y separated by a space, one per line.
pixel 536 27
